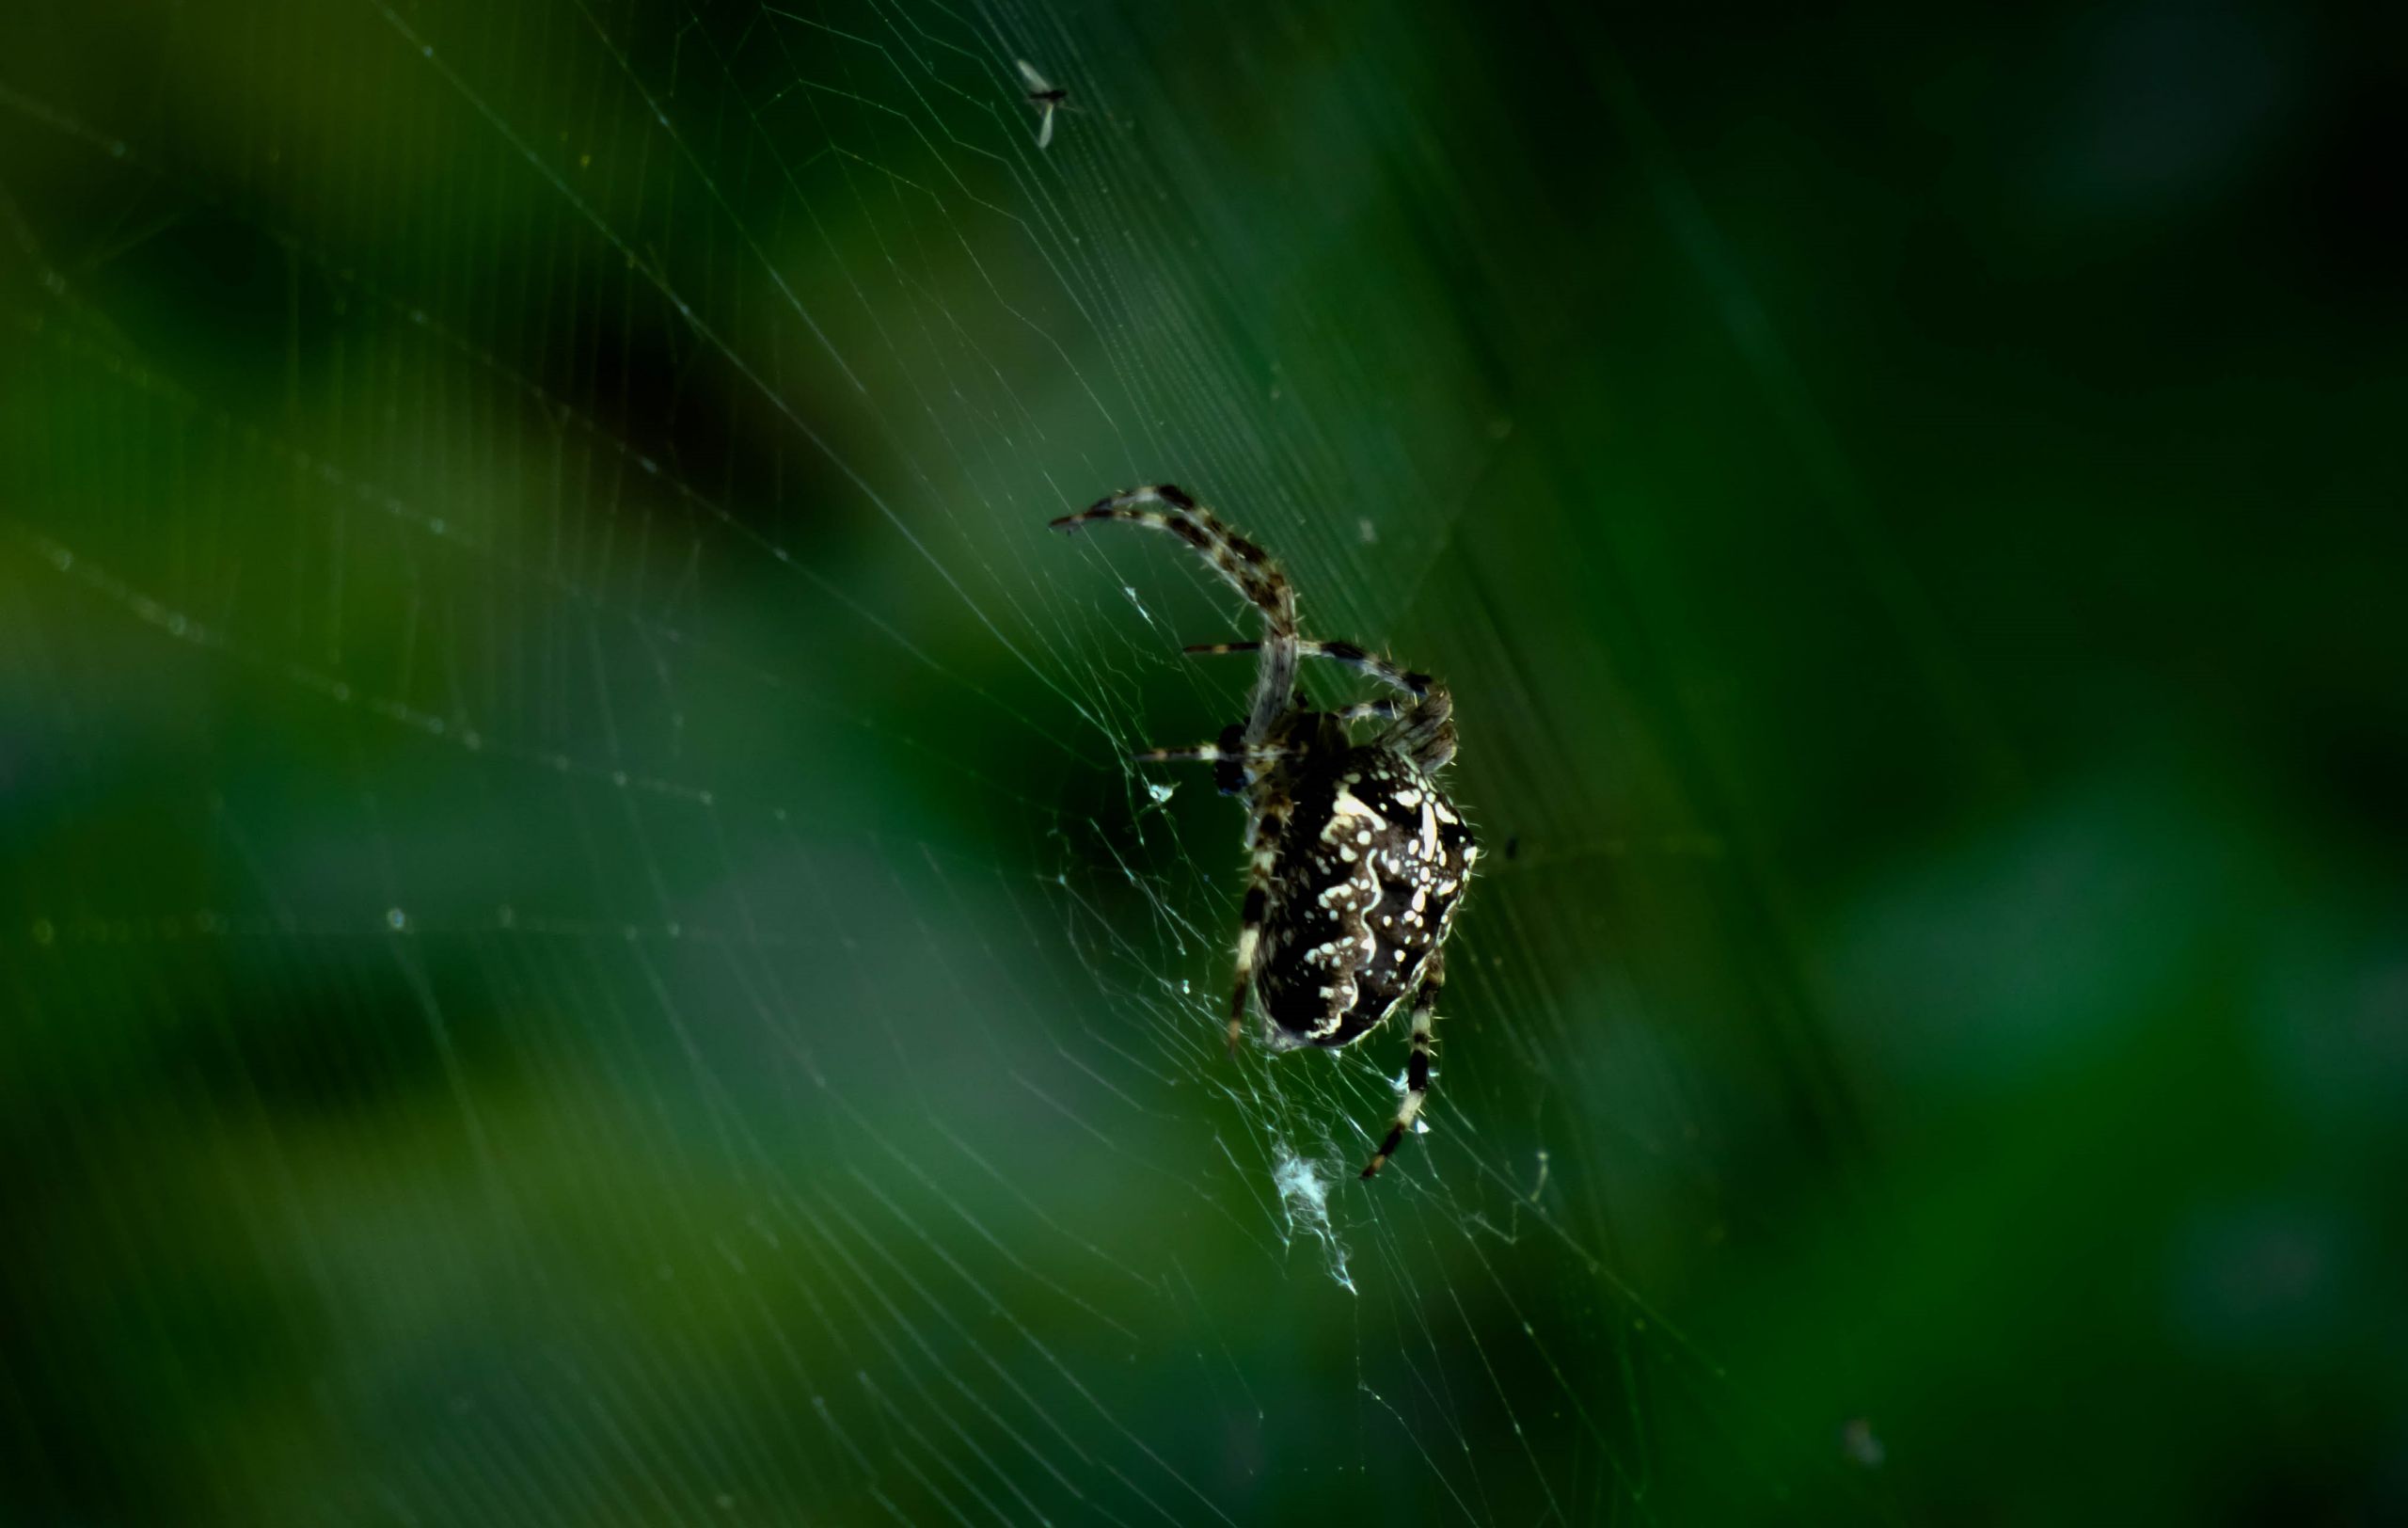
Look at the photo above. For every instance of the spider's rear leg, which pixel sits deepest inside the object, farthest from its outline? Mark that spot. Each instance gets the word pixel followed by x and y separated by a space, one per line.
pixel 1264 840
pixel 1417 1066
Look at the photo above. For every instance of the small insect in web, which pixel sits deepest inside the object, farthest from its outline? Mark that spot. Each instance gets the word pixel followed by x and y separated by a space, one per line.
pixel 1046 98
pixel 1358 859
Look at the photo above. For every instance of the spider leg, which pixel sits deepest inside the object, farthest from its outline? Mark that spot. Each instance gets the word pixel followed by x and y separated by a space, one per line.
pixel 1417 1066
pixel 1362 711
pixel 1234 764
pixel 1206 753
pixel 1365 710
pixel 1264 838
pixel 1411 682
pixel 1425 733
pixel 1246 567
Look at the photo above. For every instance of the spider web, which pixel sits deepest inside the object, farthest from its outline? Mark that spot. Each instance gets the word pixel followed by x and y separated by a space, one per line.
pixel 581 945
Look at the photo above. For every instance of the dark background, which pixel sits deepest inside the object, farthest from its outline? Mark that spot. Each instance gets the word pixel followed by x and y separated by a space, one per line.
pixel 574 945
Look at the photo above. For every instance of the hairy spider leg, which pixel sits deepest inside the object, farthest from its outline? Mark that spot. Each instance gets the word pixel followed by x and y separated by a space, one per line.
pixel 1233 763
pixel 1412 684
pixel 1246 567
pixel 1206 753
pixel 1365 710
pixel 1229 749
pixel 1263 839
pixel 1425 733
pixel 1417 1066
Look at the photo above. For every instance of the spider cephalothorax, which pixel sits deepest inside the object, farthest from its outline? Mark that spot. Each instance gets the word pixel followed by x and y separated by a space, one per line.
pixel 1359 859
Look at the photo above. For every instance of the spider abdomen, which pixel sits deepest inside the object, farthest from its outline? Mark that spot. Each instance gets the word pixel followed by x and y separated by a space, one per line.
pixel 1370 869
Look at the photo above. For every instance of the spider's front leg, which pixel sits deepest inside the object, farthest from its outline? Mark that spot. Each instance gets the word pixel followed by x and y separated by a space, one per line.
pixel 1232 768
pixel 1424 732
pixel 1234 765
pixel 1417 1066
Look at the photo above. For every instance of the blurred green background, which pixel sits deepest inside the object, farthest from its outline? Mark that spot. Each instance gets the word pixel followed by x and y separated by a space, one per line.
pixel 574 946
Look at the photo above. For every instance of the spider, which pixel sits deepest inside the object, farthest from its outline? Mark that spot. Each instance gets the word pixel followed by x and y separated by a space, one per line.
pixel 1358 858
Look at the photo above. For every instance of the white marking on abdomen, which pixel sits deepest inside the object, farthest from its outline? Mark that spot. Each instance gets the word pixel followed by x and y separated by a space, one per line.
pixel 1350 804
